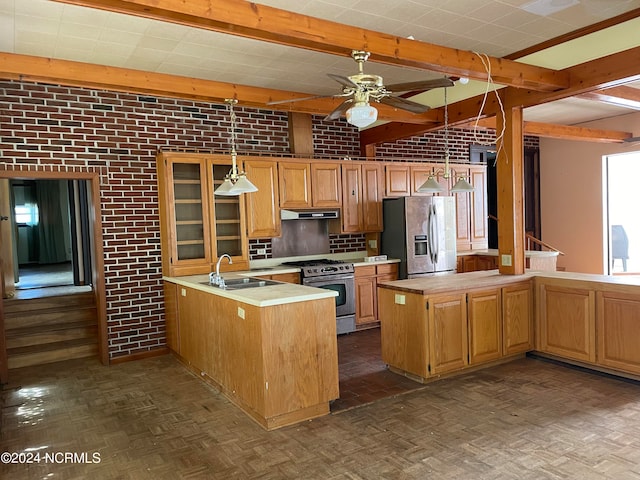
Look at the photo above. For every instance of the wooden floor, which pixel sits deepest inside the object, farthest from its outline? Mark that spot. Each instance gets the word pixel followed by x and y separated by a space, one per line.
pixel 152 419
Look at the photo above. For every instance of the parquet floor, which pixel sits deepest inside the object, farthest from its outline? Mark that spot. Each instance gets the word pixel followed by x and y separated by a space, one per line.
pixel 152 419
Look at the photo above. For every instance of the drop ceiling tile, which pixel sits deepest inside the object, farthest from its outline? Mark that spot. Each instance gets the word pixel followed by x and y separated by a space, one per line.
pixel 30 23
pixel 39 8
pixel 38 49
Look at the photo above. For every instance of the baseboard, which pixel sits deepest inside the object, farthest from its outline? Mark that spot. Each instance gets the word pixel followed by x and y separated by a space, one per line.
pixel 139 356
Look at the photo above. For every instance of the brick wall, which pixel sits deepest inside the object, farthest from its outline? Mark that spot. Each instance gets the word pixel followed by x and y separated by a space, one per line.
pixel 49 128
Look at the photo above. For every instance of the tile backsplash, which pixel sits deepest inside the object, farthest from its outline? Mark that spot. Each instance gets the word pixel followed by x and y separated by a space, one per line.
pixel 260 248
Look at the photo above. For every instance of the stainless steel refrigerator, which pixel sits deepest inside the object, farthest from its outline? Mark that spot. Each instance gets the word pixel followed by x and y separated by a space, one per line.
pixel 421 232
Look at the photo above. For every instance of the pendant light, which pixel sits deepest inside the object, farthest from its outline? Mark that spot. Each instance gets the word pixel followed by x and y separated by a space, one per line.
pixel 235 183
pixel 431 185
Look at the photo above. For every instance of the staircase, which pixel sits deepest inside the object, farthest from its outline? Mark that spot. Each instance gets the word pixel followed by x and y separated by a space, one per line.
pixel 50 329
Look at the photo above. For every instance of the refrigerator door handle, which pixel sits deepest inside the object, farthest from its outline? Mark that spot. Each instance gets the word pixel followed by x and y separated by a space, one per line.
pixel 433 248
pixel 436 237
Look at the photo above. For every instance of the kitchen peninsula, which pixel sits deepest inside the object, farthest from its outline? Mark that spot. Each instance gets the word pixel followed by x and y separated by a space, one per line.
pixel 271 350
pixel 449 324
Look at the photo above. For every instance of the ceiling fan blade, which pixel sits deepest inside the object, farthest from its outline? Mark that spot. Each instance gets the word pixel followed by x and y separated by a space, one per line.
pixel 343 80
pixel 338 112
pixel 632 140
pixel 421 85
pixel 404 104
pixel 278 102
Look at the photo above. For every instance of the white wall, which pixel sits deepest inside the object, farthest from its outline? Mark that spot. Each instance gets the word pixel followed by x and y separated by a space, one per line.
pixel 571 194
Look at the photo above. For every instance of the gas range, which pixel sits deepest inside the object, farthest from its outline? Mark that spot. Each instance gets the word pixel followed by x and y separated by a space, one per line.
pixel 322 267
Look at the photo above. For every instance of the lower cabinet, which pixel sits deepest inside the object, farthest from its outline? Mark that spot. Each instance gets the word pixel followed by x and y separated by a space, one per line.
pixel 366 282
pixel 485 326
pixel 618 330
pixel 427 335
pixel 517 319
pixel 448 346
pixel 566 322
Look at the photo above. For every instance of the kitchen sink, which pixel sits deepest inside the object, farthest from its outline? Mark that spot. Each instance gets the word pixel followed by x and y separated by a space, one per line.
pixel 247 282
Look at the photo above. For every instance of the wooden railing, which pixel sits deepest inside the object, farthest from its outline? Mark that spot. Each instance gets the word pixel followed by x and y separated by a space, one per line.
pixel 533 240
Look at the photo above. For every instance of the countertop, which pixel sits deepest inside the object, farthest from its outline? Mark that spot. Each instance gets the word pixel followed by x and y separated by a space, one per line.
pixel 260 296
pixel 493 252
pixel 492 278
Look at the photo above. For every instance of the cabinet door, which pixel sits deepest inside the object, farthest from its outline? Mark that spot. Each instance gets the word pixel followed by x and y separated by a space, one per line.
pixel 326 185
pixel 294 185
pixel 366 300
pixel 517 319
pixel 263 211
pixel 463 214
pixel 448 345
pixel 371 199
pixel 397 181
pixel 618 331
pixel 567 322
pixel 184 214
pixel 351 198
pixel 478 212
pixel 227 219
pixel 421 174
pixel 485 326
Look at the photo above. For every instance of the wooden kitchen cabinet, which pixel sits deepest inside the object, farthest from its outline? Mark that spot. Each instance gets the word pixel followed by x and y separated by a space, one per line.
pixel 294 184
pixel 618 329
pixel 397 180
pixel 517 318
pixel 471 209
pixel 362 188
pixel 326 185
pixel 566 321
pixel 366 282
pixel 448 343
pixel 282 277
pixel 263 211
pixel 485 326
pixel 404 331
pixel 197 226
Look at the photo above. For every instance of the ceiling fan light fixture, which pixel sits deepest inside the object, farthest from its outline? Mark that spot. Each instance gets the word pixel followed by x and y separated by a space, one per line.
pixel 362 115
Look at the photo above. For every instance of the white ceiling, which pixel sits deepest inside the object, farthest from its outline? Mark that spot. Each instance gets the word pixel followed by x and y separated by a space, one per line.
pixel 494 27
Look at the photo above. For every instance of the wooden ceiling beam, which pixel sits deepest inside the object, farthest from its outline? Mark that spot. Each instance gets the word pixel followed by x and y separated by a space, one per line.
pixel 264 23
pixel 627 97
pixel 65 72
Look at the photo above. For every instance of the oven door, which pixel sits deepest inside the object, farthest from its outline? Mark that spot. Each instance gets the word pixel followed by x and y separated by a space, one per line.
pixel 344 285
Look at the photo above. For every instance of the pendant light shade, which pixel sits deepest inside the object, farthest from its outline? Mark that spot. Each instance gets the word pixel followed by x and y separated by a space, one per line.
pixel 431 186
pixel 462 186
pixel 362 115
pixel 235 182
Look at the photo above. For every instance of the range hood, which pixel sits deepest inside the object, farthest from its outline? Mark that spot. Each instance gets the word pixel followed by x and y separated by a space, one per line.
pixel 308 214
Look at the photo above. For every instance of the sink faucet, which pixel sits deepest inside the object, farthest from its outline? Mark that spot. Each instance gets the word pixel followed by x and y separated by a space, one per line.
pixel 216 279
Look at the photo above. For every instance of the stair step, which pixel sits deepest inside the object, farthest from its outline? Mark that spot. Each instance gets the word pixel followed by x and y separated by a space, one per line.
pixel 53 352
pixel 50 318
pixel 14 307
pixel 22 337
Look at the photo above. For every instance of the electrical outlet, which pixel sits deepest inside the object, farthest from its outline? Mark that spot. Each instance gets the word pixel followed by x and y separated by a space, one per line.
pixel 373 244
pixel 400 299
pixel 505 260
pixel 262 251
pixel 183 292
pixel 241 312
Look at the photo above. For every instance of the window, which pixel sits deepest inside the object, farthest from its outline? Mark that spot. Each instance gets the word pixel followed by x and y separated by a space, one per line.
pixel 27 214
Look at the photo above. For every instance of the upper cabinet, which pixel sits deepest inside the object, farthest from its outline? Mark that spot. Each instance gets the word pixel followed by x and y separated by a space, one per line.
pixel 326 185
pixel 196 225
pixel 471 210
pixel 294 184
pixel 397 180
pixel 263 212
pixel 362 188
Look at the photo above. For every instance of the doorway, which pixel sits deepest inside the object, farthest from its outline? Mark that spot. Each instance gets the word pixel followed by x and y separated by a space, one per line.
pixel 621 200
pixel 50 236
pixel 70 256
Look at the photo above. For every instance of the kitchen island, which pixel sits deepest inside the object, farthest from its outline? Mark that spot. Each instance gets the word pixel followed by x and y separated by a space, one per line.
pixel 272 350
pixel 448 324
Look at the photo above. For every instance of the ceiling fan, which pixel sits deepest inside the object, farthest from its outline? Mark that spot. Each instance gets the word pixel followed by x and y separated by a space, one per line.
pixel 362 88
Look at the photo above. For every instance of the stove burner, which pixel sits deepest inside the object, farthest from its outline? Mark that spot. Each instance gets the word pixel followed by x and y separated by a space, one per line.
pixel 322 267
